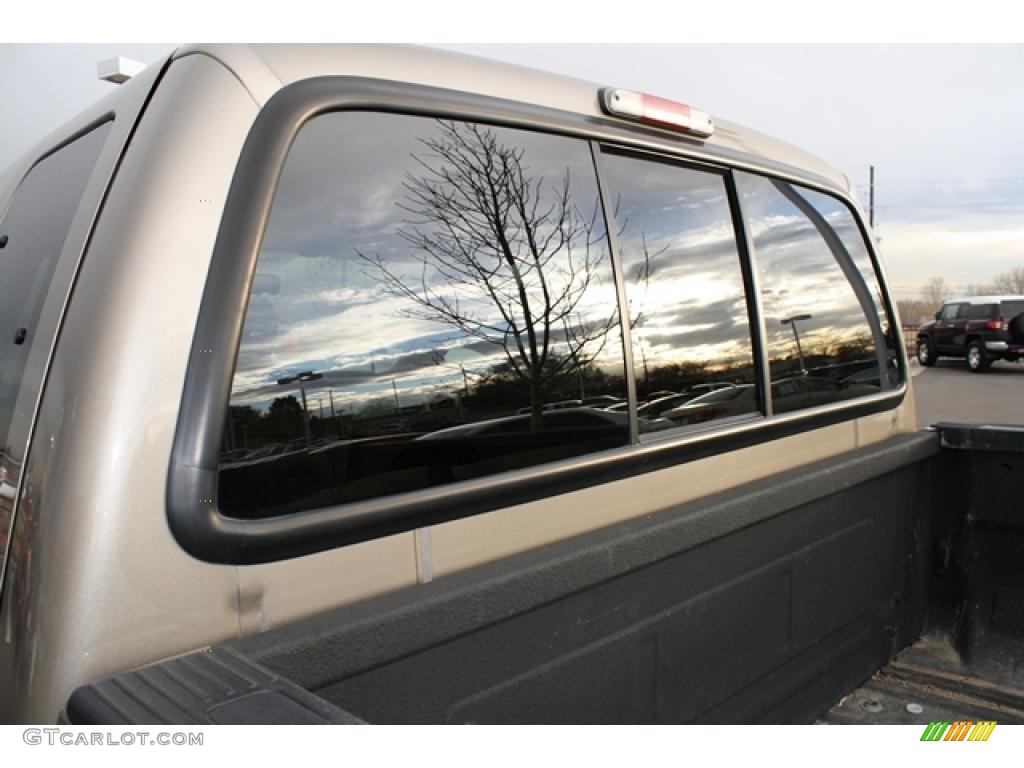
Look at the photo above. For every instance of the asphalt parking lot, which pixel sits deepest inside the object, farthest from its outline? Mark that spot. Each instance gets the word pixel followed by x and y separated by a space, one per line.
pixel 950 392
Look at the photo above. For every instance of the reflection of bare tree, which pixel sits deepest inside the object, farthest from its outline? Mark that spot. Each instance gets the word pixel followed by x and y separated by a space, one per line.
pixel 500 257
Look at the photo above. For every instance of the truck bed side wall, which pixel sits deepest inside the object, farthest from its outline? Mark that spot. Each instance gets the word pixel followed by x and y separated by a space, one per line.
pixel 764 604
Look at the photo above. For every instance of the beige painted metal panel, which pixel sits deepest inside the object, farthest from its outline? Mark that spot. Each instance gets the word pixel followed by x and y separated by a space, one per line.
pixel 276 593
pixel 881 426
pixel 110 588
pixel 472 541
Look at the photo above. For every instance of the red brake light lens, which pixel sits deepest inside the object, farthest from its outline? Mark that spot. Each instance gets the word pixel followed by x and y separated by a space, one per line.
pixel 996 325
pixel 645 108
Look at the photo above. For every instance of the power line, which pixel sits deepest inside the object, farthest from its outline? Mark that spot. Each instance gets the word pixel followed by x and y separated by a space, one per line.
pixel 943 161
pixel 953 205
pixel 961 181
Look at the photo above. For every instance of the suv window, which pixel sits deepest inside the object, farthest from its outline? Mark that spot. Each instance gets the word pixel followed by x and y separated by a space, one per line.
pixel 822 316
pixel 948 313
pixel 1011 308
pixel 684 282
pixel 419 275
pixel 983 312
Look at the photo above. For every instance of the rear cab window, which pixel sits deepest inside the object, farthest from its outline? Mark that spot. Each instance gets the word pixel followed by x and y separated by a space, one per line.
pixel 440 302
pixel 687 300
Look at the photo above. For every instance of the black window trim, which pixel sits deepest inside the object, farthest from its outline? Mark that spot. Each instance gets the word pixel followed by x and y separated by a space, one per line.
pixel 194 519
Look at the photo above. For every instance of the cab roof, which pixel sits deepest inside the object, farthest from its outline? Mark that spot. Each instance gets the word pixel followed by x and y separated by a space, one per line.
pixel 266 68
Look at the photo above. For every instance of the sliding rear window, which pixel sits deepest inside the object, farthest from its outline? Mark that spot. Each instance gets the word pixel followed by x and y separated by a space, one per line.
pixel 692 351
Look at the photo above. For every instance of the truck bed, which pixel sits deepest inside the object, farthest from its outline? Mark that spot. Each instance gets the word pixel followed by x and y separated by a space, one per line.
pixel 932 675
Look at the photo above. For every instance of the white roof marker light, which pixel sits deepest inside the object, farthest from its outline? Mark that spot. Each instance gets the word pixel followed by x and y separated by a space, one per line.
pixel 645 108
pixel 119 69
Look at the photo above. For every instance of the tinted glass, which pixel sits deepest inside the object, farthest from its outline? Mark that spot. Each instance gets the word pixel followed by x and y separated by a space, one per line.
pixel 434 301
pixel 825 339
pixel 687 304
pixel 949 312
pixel 1011 308
pixel 963 311
pixel 35 225
pixel 983 312
pixel 841 221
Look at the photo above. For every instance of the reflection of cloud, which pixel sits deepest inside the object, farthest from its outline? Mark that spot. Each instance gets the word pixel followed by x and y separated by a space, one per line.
pixel 695 331
pixel 799 273
pixel 693 309
pixel 332 314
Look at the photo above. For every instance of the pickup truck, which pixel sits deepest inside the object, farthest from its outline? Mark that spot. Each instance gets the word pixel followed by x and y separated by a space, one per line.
pixel 282 332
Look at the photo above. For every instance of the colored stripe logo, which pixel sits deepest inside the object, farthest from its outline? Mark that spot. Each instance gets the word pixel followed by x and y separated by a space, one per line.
pixel 961 730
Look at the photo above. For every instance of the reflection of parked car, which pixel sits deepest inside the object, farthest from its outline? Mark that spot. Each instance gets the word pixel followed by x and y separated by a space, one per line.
pixel 602 401
pixel 561 405
pixel 267 450
pixel 981 329
pixel 808 391
pixel 789 394
pixel 865 376
pixel 564 418
pixel 700 389
pixel 660 394
pixel 655 408
pixel 730 401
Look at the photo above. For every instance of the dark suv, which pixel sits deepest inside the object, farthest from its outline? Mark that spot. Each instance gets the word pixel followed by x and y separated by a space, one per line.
pixel 982 329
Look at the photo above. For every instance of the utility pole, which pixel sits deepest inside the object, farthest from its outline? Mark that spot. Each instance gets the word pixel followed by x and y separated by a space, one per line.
pixel 871 202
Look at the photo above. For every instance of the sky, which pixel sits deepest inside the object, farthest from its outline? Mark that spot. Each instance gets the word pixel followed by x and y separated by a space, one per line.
pixel 940 123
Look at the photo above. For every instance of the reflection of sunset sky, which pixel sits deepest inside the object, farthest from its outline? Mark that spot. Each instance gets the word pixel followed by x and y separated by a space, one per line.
pixel 333 317
pixel 798 273
pixel 693 310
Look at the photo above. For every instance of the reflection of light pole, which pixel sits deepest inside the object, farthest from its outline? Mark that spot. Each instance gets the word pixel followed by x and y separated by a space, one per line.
pixel 302 378
pixel 791 322
pixel 574 354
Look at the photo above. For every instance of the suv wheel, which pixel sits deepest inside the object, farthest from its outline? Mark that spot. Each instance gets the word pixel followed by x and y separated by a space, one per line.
pixel 976 359
pixel 925 353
